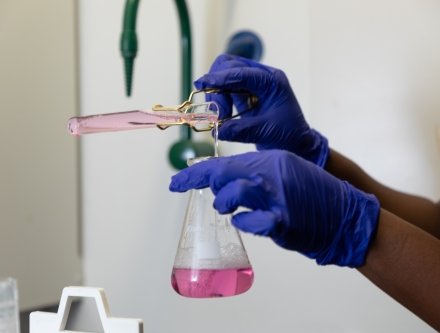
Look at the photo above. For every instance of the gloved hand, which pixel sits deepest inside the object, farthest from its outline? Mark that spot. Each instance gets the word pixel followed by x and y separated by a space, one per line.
pixel 276 123
pixel 294 202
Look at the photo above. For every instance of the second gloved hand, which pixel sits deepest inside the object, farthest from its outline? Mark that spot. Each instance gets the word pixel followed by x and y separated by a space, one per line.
pixel 276 123
pixel 294 202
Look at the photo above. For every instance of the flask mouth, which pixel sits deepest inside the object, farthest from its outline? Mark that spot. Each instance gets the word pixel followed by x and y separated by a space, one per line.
pixel 198 159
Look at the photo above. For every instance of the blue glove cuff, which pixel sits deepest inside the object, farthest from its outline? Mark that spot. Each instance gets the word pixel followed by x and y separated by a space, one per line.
pixel 351 243
pixel 317 150
pixel 323 149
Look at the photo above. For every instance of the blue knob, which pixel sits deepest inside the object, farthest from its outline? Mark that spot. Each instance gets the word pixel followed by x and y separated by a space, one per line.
pixel 246 44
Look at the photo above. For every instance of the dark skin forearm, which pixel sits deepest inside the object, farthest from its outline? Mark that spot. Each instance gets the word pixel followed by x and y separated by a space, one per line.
pixel 418 211
pixel 404 258
pixel 404 261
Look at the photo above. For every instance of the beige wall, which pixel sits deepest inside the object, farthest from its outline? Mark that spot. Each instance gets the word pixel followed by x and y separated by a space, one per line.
pixel 39 208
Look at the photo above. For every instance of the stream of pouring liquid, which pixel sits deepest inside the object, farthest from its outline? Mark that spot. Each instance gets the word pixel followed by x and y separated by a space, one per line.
pixel 215 139
pixel 122 121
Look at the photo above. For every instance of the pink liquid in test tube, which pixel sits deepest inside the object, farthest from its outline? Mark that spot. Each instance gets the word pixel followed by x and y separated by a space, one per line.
pixel 122 121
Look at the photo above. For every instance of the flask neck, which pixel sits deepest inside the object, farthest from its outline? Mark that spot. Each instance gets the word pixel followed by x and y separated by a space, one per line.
pixel 195 160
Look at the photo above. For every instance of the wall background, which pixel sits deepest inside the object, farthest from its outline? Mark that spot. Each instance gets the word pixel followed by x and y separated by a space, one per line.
pixel 375 80
pixel 366 74
pixel 39 178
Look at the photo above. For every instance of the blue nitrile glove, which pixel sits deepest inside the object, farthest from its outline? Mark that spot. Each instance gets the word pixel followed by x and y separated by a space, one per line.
pixel 294 202
pixel 276 123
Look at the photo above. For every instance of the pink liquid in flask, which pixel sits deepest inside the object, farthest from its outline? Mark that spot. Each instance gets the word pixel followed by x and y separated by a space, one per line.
pixel 208 283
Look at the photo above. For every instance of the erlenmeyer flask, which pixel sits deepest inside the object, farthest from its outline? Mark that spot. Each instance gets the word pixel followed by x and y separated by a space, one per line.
pixel 211 260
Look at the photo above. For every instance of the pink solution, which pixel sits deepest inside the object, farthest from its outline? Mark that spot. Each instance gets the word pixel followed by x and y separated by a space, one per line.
pixel 206 283
pixel 121 121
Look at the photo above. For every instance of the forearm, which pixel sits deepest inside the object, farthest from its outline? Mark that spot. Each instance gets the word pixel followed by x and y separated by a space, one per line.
pixel 418 211
pixel 404 262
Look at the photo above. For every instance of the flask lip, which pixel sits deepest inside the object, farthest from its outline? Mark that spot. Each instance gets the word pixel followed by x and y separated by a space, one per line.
pixel 198 159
